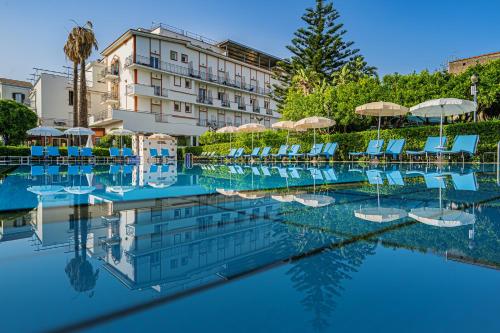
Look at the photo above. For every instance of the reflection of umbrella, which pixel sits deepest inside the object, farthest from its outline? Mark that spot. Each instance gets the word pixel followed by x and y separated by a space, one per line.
pixel 162 183
pixel 78 190
pixel 45 189
pixel 440 217
pixel 381 109
pixel 228 193
pixel 443 107
pixel 120 189
pixel 160 136
pixel 44 131
pixel 314 200
pixel 283 198
pixel 251 195
pixel 380 214
pixel 230 130
pixel 314 123
pixel 121 132
pixel 251 128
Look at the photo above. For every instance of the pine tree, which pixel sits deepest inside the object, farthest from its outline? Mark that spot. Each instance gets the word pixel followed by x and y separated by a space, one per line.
pixel 319 48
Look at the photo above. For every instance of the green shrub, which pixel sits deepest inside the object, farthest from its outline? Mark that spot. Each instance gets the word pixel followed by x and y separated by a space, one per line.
pixel 25 151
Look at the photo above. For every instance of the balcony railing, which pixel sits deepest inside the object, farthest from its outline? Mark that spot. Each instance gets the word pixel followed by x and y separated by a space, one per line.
pixel 159 91
pixel 269 112
pixel 256 108
pixel 109 73
pixel 109 97
pixel 191 72
pixel 148 90
pixel 205 99
pixel 242 107
pixel 225 103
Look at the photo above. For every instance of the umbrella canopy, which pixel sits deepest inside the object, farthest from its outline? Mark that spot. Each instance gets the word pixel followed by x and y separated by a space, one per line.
pixel 381 109
pixel 90 143
pixel 443 107
pixel 251 128
pixel 284 198
pixel 314 200
pixel 45 189
pixel 121 132
pixel 44 131
pixel 228 193
pixel 230 130
pixel 120 189
pixel 444 218
pixel 160 136
pixel 79 189
pixel 161 183
pixel 79 131
pixel 287 125
pixel 380 214
pixel 252 195
pixel 314 123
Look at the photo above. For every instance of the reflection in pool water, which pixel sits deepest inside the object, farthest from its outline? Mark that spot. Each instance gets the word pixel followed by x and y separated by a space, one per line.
pixel 149 234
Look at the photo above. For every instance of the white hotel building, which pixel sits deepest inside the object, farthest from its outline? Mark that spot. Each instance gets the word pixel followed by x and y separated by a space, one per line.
pixel 170 81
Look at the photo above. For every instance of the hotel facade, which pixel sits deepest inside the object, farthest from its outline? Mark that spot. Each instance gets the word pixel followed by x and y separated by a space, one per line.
pixel 171 81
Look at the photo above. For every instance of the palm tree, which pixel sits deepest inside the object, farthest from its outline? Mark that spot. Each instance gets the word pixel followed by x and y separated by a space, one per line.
pixel 86 41
pixel 71 52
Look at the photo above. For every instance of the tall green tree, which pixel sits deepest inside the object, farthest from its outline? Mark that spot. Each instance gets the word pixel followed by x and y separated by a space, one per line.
pixel 86 42
pixel 15 120
pixel 71 52
pixel 318 48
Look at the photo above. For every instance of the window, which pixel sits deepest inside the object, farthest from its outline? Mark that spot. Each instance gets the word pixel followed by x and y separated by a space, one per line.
pixel 184 58
pixel 187 84
pixel 173 264
pixel 173 55
pixel 177 107
pixel 154 61
pixel 221 95
pixel 71 98
pixel 177 81
pixel 18 97
pixel 187 108
pixel 266 105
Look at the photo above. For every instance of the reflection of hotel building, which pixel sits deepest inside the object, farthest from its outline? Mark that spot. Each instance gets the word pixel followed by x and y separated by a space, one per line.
pixel 176 243
pixel 170 81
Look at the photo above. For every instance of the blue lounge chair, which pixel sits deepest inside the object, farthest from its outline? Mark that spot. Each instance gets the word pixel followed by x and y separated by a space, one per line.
pixel 232 151
pixel 254 153
pixel 463 145
pixel 294 151
pixel 154 168
pixel 374 148
pixel 114 153
pixel 53 152
pixel 394 149
pixel 86 153
pixel 239 153
pixel 282 152
pixel 153 152
pixel 432 146
pixel 36 152
pixel 265 153
pixel 315 150
pixel 73 152
pixel 330 150
pixel 165 153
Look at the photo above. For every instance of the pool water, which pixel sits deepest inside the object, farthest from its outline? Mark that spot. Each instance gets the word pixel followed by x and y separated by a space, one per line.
pixel 250 248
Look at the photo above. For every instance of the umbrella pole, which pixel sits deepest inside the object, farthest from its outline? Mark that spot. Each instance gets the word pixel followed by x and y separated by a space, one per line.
pixel 287 135
pixel 441 128
pixel 314 135
pixel 378 131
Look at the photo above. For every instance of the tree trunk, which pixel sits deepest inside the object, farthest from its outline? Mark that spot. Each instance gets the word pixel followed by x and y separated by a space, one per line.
pixel 83 114
pixel 75 94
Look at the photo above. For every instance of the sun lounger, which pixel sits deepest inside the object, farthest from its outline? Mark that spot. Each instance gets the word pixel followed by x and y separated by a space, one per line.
pixel 315 150
pixel 294 152
pixel 329 150
pixel 432 146
pixel 282 152
pixel 253 154
pixel 36 152
pixel 463 145
pixel 374 148
pixel 394 149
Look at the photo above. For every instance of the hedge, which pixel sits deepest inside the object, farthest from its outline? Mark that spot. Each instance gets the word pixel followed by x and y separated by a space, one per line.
pixel 489 136
pixel 25 151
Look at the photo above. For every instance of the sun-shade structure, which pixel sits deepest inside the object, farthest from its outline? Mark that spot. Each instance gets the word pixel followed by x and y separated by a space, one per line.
pixel 443 218
pixel 314 200
pixel 251 128
pixel 381 109
pixel 79 190
pixel 160 136
pixel 283 198
pixel 45 189
pixel 380 214
pixel 121 132
pixel 44 131
pixel 443 107
pixel 286 125
pixel 251 195
pixel 313 123
pixel 79 131
pixel 230 130
pixel 120 189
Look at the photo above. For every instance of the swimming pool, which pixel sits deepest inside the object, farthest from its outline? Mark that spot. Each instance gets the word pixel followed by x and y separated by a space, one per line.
pixel 262 247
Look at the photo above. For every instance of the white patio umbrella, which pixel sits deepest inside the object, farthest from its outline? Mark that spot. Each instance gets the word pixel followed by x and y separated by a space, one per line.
pixel 121 132
pixel 287 125
pixel 160 136
pixel 381 109
pixel 230 130
pixel 443 107
pixel 78 190
pixel 314 123
pixel 44 131
pixel 42 190
pixel 79 132
pixel 251 128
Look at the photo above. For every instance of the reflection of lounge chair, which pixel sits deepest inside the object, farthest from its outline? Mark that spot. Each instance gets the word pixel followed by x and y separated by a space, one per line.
pixel 239 169
pixel 232 169
pixel 265 170
pixel 374 177
pixel 374 148
pixel 282 172
pixel 73 170
pixel 466 182
pixel 330 174
pixel 434 180
pixel 37 170
pixel 316 173
pixel 114 169
pixel 432 146
pixel 294 173
pixel 53 170
pixel 87 169
pixel 255 171
pixel 394 177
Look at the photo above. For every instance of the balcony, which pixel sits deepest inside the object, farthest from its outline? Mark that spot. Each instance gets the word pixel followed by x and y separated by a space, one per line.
pixel 242 107
pixel 269 112
pixel 146 90
pixel 109 73
pixel 256 108
pixel 109 98
pixel 205 99
pixel 196 74
pixel 225 103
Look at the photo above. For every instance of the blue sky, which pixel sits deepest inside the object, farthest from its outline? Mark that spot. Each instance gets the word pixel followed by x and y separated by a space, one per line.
pixel 394 35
